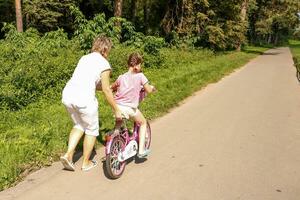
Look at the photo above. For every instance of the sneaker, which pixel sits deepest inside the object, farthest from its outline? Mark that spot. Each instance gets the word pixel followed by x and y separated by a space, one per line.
pixel 94 163
pixel 145 154
pixel 67 164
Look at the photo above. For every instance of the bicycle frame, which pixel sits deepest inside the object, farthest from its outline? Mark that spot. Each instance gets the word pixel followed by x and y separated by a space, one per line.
pixel 124 133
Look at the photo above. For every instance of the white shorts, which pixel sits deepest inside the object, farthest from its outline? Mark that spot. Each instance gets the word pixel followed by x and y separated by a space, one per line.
pixel 128 112
pixel 85 118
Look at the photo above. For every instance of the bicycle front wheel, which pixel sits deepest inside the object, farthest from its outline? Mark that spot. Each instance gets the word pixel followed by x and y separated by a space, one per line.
pixel 298 75
pixel 114 167
pixel 148 136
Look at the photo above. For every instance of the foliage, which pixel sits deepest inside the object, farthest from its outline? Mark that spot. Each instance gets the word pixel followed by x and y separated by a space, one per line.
pixel 216 37
pixel 152 46
pixel 34 65
pixel 236 21
pixel 47 15
pixel 87 30
pixel 296 34
pixel 272 21
pixel 6 12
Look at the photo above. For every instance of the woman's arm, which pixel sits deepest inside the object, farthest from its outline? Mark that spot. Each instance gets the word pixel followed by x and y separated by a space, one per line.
pixel 99 86
pixel 114 86
pixel 108 93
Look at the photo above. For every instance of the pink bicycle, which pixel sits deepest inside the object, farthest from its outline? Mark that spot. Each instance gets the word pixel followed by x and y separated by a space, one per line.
pixel 122 146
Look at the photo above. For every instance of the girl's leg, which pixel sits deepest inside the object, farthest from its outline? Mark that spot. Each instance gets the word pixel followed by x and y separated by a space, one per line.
pixel 74 138
pixel 88 145
pixel 140 119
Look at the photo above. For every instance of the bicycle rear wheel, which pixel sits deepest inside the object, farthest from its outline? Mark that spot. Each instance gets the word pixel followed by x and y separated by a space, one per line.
pixel 115 168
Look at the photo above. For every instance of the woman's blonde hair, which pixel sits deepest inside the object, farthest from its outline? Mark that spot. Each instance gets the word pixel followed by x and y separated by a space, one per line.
pixel 102 45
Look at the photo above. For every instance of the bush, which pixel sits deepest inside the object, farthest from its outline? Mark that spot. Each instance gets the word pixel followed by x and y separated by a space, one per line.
pixel 118 58
pixel 296 34
pixel 33 66
pixel 152 46
pixel 124 33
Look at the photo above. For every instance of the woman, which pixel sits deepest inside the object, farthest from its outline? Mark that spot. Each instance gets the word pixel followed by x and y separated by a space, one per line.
pixel 92 72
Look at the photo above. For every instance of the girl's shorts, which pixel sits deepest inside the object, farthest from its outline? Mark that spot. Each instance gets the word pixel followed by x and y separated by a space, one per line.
pixel 85 118
pixel 128 112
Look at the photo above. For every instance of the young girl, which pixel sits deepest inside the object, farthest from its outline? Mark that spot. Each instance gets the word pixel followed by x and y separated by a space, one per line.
pixel 128 87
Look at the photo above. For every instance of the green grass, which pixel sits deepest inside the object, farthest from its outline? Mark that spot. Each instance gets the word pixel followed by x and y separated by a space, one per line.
pixel 35 136
pixel 295 48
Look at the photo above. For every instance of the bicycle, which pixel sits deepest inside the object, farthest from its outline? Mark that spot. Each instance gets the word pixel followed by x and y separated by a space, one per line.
pixel 297 65
pixel 122 145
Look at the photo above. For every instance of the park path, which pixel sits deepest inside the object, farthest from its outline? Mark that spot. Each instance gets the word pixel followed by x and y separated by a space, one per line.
pixel 236 139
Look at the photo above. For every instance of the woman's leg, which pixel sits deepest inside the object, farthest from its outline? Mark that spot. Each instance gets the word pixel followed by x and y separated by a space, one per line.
pixel 88 145
pixel 74 138
pixel 141 120
pixel 89 116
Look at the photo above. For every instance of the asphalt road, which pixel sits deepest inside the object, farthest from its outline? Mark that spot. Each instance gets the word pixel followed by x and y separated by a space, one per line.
pixel 236 139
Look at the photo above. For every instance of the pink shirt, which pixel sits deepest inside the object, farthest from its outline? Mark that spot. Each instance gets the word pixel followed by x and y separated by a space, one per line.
pixel 130 85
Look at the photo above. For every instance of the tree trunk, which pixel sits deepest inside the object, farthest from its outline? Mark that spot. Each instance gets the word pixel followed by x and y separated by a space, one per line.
pixel 19 19
pixel 170 17
pixel 133 10
pixel 167 21
pixel 181 20
pixel 146 16
pixel 243 18
pixel 269 38
pixel 118 11
pixel 118 8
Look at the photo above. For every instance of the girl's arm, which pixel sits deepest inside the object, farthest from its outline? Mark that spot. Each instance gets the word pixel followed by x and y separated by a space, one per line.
pixel 149 88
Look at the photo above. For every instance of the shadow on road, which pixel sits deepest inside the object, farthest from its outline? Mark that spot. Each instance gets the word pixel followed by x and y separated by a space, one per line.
pixel 270 53
pixel 130 160
pixel 253 51
pixel 78 154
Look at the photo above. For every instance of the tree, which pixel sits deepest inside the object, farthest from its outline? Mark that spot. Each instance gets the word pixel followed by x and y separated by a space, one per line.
pixel 19 18
pixel 244 9
pixel 47 15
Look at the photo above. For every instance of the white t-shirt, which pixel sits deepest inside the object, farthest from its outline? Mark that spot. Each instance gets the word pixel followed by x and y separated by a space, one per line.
pixel 80 89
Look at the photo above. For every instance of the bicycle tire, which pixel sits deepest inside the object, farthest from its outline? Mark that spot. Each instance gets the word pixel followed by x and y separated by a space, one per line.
pixel 148 136
pixel 298 75
pixel 115 168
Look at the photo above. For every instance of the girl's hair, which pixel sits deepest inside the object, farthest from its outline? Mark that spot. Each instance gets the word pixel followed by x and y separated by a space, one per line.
pixel 101 44
pixel 134 59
